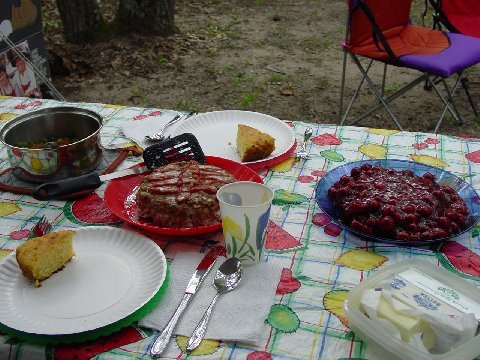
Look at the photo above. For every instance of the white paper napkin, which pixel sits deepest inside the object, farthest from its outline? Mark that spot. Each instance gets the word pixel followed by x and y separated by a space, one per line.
pixel 149 125
pixel 237 316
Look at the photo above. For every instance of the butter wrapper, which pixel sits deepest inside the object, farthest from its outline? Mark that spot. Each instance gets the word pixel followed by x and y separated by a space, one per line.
pixel 443 293
pixel 406 292
pixel 450 314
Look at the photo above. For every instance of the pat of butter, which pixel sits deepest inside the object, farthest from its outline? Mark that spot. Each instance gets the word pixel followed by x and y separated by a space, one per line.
pixel 406 324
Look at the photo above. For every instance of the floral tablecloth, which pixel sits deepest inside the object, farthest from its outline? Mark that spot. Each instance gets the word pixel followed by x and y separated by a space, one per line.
pixel 321 263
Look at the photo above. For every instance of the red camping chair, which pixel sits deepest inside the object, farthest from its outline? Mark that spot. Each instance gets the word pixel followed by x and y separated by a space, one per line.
pixel 458 16
pixel 461 17
pixel 380 30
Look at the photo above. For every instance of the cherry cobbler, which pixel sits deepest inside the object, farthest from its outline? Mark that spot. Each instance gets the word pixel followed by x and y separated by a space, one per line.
pixel 398 204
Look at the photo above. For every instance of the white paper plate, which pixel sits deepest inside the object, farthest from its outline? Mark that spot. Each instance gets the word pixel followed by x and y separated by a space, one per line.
pixel 217 132
pixel 114 273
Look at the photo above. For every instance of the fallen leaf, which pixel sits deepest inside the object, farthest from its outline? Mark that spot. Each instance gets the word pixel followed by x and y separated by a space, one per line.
pixel 286 91
pixel 116 63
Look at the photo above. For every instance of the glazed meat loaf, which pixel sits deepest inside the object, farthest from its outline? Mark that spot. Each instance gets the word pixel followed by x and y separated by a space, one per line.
pixel 182 195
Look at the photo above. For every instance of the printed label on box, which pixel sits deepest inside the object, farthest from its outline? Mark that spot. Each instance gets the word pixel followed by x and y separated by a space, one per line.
pixel 441 291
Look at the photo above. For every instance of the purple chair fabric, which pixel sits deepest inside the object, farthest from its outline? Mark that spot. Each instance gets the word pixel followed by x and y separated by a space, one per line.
pixel 463 52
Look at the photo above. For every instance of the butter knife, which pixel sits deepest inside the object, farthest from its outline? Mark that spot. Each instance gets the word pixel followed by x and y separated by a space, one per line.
pixel 202 270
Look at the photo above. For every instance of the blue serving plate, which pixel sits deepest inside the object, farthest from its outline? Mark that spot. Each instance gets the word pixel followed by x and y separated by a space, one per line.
pixel 464 190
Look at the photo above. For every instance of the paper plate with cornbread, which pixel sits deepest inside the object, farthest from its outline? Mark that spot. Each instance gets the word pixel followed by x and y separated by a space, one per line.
pixel 103 279
pixel 253 139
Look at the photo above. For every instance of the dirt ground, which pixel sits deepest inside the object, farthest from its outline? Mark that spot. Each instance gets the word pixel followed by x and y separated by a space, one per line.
pixel 278 57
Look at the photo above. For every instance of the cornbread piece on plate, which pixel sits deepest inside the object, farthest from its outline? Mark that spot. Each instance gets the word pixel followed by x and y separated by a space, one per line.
pixel 182 195
pixel 40 257
pixel 252 144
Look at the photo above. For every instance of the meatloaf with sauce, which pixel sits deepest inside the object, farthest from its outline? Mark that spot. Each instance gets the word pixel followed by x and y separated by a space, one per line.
pixel 182 195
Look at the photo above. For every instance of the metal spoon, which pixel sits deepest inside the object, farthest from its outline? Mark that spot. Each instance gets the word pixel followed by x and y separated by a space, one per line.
pixel 226 279
pixel 303 153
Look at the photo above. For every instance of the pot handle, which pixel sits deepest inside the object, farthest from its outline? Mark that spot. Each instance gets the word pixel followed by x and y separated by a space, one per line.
pixel 56 189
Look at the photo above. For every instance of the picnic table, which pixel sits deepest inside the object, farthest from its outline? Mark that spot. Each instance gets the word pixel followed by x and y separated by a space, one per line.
pixel 320 261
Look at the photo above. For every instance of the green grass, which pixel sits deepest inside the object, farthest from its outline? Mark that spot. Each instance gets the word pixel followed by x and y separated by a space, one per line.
pixel 231 30
pixel 162 60
pixel 140 94
pixel 51 24
pixel 264 58
pixel 211 52
pixel 391 88
pixel 275 79
pixel 323 82
pixel 212 70
pixel 417 14
pixel 279 37
pixel 182 105
pixel 319 43
pixel 248 99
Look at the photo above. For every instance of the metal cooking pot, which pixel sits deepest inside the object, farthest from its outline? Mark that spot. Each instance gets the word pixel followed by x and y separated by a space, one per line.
pixel 53 162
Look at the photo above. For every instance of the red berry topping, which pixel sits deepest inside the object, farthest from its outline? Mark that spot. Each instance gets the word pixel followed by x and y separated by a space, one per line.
pixel 398 204
pixel 424 210
pixel 387 224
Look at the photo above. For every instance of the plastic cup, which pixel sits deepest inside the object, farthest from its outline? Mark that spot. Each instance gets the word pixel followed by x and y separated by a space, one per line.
pixel 245 211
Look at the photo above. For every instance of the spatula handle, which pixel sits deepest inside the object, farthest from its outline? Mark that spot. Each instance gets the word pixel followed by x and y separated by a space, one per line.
pixel 56 189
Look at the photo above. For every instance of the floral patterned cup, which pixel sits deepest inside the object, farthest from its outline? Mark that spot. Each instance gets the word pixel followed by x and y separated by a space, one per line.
pixel 245 210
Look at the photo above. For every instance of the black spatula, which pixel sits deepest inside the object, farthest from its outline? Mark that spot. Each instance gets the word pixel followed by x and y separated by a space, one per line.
pixel 183 147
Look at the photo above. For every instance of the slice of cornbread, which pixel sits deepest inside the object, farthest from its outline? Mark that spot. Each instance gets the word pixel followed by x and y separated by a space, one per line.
pixel 252 144
pixel 40 257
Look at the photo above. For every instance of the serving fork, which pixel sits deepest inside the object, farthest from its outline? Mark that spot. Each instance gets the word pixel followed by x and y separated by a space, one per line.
pixel 159 136
pixel 303 153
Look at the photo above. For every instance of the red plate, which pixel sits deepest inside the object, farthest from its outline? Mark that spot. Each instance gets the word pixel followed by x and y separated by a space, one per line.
pixel 120 198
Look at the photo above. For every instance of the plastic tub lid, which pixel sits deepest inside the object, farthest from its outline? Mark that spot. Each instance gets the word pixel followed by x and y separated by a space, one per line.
pixel 386 346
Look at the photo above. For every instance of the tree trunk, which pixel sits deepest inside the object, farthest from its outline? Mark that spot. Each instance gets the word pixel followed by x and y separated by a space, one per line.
pixel 153 17
pixel 81 20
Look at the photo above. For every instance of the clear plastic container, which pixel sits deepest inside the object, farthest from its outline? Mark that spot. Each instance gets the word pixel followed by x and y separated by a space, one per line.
pixel 389 347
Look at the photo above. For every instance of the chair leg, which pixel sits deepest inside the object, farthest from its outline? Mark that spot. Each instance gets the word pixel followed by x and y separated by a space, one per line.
pixel 384 79
pixel 427 86
pixel 395 95
pixel 354 96
pixel 450 98
pixel 449 104
pixel 342 87
pixel 374 89
pixel 384 101
pixel 469 96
